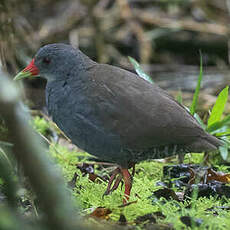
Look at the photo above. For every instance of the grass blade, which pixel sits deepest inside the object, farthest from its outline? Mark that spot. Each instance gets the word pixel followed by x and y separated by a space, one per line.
pixel 139 70
pixel 197 91
pixel 222 134
pixel 200 120
pixel 179 97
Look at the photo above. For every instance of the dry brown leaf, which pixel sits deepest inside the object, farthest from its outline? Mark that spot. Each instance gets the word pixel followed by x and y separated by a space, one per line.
pixel 101 213
pixel 218 176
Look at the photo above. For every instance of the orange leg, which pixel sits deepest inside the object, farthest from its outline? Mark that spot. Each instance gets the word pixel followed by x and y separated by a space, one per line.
pixel 128 184
pixel 116 176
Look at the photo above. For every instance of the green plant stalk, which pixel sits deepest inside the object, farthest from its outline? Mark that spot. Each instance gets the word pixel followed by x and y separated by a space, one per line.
pixel 197 91
pixel 44 178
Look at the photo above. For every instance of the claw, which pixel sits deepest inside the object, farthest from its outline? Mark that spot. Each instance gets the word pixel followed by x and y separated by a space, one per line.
pixel 112 178
pixel 116 183
pixel 116 177
pixel 128 184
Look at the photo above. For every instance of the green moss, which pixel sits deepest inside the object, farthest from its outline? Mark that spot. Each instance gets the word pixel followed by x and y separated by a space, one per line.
pixel 40 125
pixel 67 159
pixel 89 194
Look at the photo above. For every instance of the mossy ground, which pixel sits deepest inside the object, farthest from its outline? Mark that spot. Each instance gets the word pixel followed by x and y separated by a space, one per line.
pixel 88 194
pixel 214 213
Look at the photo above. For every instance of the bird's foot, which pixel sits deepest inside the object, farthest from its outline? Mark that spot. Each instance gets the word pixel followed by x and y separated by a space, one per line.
pixel 115 173
pixel 116 177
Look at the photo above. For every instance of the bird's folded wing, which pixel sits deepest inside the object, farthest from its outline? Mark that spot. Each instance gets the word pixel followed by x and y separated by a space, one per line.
pixel 141 113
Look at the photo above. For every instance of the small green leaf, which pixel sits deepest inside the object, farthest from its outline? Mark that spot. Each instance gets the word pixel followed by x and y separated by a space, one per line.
pixel 219 124
pixel 139 70
pixel 219 106
pixel 197 91
pixel 197 118
pixel 224 151
pixel 222 134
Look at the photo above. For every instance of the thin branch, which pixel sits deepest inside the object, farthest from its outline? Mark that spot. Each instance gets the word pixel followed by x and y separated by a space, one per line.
pixel 159 20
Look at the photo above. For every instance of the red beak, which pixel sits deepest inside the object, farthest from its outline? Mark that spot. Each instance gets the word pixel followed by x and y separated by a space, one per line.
pixel 30 70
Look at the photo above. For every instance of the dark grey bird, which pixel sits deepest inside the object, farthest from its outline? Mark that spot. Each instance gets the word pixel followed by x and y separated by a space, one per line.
pixel 114 114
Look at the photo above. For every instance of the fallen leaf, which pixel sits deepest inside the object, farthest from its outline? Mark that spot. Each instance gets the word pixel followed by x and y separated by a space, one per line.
pixel 216 209
pixel 191 222
pixel 213 188
pixel 191 174
pixel 167 193
pixel 218 176
pixel 72 183
pixel 101 213
pixel 150 218
pixel 86 168
pixel 89 169
pixel 159 214
pixel 122 220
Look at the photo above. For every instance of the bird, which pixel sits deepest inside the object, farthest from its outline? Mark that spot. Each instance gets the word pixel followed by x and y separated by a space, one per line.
pixel 113 113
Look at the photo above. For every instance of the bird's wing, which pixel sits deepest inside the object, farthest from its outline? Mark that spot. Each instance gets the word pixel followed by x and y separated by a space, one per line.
pixel 141 113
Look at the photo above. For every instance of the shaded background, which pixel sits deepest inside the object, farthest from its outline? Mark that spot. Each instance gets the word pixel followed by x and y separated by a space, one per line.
pixel 163 35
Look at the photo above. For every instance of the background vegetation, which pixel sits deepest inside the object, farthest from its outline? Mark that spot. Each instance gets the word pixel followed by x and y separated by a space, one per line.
pixel 165 37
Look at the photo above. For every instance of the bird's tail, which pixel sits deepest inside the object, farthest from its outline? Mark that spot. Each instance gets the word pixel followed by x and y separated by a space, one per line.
pixel 207 143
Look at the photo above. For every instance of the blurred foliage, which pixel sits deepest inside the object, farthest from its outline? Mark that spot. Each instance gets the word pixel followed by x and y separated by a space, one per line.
pixel 40 125
pixel 164 35
pixel 4 132
pixel 108 31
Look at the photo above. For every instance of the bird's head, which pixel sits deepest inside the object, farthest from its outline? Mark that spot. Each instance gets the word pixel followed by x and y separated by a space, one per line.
pixel 52 62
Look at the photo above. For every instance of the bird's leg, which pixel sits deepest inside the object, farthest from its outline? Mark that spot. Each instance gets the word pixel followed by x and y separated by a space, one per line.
pixel 112 178
pixel 122 173
pixel 128 184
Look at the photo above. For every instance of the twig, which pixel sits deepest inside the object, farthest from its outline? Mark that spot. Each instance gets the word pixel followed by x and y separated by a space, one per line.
pixel 159 20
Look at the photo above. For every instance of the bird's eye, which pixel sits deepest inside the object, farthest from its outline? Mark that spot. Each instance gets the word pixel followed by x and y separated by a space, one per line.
pixel 46 60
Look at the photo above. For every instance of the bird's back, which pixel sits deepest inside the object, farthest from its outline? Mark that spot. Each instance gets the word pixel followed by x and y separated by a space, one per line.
pixel 141 113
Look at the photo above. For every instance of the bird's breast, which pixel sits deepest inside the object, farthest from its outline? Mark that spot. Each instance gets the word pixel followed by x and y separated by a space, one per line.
pixel 72 110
